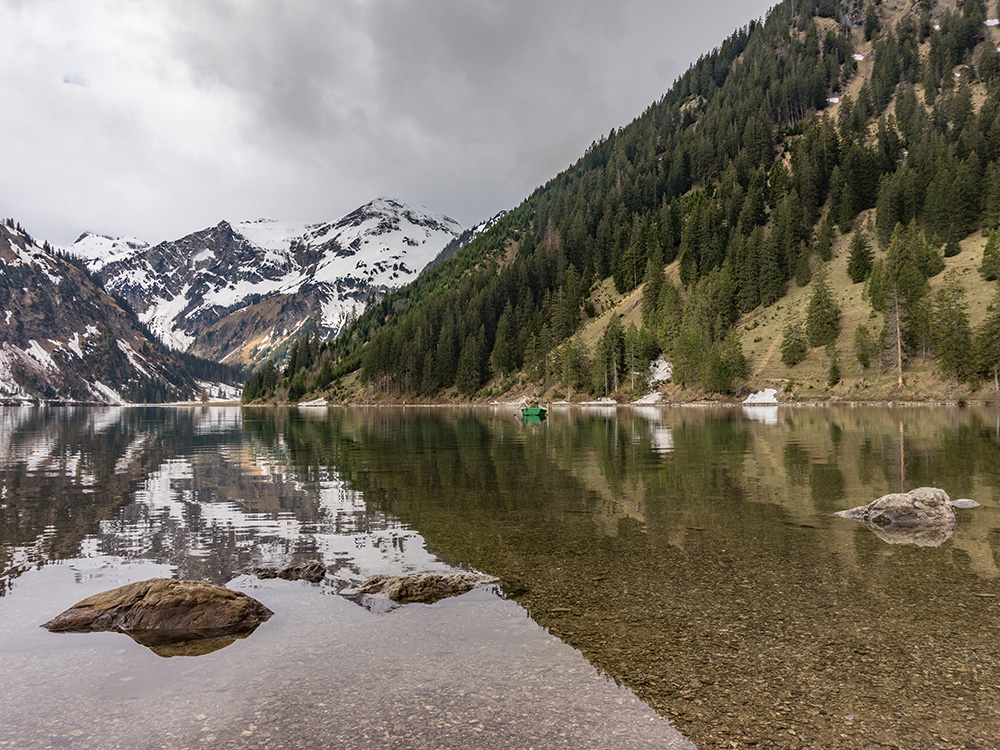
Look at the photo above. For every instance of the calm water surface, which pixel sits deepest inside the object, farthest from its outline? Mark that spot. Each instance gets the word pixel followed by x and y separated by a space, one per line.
pixel 678 559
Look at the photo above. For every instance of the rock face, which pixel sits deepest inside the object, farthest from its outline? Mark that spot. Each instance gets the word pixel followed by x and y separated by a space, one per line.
pixel 922 507
pixel 426 588
pixel 161 611
pixel 313 572
pixel 239 292
pixel 63 338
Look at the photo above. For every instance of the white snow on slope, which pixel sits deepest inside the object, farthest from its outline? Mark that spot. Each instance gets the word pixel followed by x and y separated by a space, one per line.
pixel 100 250
pixel 372 250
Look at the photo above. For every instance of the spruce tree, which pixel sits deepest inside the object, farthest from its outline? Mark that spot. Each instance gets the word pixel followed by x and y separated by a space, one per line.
pixel 822 315
pixel 864 346
pixel 989 269
pixel 469 377
pixel 824 239
pixel 987 346
pixel 651 290
pixel 871 23
pixel 952 334
pixel 833 377
pixel 859 262
pixel 668 326
pixel 794 345
pixel 504 356
pixel 897 288
pixel 573 362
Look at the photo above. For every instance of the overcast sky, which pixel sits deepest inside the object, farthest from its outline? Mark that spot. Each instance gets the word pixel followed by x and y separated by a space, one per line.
pixel 155 119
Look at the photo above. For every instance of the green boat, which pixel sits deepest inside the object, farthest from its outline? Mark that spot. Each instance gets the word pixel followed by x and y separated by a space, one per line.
pixel 533 412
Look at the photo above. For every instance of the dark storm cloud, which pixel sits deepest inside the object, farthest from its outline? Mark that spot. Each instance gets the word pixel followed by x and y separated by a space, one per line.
pixel 198 110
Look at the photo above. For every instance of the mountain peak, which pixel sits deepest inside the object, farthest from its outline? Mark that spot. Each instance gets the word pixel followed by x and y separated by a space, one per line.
pixel 212 291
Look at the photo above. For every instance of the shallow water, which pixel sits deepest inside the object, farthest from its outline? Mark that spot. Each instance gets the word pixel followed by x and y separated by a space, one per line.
pixel 689 556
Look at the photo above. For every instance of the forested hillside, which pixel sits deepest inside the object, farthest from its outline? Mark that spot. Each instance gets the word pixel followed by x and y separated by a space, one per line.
pixel 872 128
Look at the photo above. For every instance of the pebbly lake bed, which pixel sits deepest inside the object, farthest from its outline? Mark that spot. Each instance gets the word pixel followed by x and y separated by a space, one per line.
pixel 667 577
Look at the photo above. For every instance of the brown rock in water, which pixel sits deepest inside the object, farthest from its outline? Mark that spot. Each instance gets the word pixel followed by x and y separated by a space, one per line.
pixel 922 507
pixel 426 588
pixel 162 611
pixel 313 572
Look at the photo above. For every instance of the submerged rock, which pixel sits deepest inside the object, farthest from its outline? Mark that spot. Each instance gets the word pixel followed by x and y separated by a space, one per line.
pixel 313 572
pixel 161 611
pixel 922 507
pixel 426 588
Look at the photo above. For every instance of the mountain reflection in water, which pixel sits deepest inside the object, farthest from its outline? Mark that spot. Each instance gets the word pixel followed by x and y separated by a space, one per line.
pixel 688 553
pixel 91 499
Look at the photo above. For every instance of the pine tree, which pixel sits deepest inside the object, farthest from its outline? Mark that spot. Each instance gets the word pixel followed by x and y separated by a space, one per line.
pixel 668 325
pixel 573 362
pixel 987 347
pixel 794 345
pixel 822 315
pixel 952 334
pixel 864 346
pixel 609 358
pixel 871 23
pixel 504 356
pixel 652 289
pixel 897 288
pixel 833 377
pixel 469 377
pixel 989 269
pixel 824 239
pixel 859 262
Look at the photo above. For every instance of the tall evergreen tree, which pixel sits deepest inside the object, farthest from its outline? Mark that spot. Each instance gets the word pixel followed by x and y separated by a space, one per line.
pixel 651 290
pixel 987 346
pixel 952 334
pixel 859 262
pixel 671 311
pixel 794 344
pixel 470 374
pixel 897 288
pixel 822 315
pixel 824 239
pixel 504 356
pixel 989 269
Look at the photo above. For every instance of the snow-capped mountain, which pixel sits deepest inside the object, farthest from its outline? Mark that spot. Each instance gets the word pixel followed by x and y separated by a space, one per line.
pixel 237 292
pixel 64 338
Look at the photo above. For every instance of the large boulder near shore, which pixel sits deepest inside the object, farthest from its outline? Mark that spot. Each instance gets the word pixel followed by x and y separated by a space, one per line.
pixel 426 588
pixel 922 507
pixel 162 611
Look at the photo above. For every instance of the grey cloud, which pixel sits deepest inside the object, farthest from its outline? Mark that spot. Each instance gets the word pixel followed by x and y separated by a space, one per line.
pixel 304 110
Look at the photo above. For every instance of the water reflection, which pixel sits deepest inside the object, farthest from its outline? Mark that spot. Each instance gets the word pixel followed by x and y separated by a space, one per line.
pixel 690 553
pixel 183 488
pixel 94 499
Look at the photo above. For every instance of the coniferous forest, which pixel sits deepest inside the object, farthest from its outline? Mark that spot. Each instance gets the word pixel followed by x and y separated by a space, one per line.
pixel 867 123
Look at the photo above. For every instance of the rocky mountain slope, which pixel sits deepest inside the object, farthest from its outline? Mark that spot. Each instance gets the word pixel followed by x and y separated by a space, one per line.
pixel 238 292
pixel 63 338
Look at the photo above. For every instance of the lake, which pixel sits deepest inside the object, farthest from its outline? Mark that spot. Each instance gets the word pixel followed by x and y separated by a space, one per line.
pixel 666 577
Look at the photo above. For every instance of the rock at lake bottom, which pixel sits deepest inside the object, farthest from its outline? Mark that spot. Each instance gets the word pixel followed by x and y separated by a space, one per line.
pixel 313 572
pixel 426 588
pixel 161 611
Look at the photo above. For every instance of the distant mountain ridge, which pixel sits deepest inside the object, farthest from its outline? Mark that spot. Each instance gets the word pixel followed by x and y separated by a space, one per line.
pixel 238 292
pixel 63 338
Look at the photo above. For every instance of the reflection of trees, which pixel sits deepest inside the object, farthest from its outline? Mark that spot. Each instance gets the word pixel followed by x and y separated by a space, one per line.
pixel 716 565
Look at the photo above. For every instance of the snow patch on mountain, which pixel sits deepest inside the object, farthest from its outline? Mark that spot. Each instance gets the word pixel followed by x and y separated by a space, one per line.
pixel 99 250
pixel 209 292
